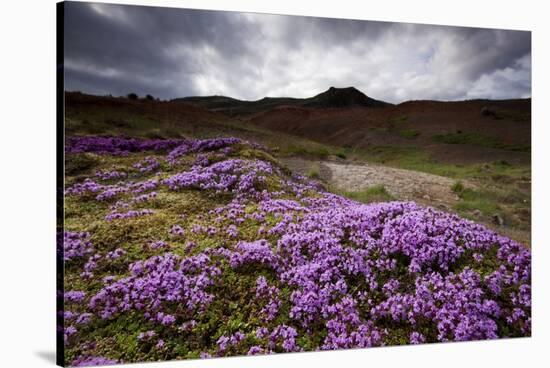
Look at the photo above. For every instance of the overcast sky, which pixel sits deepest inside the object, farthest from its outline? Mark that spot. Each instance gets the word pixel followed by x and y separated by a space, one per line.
pixel 167 52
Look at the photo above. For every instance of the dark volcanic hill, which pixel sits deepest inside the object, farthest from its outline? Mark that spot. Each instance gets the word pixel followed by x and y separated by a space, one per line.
pixel 343 97
pixel 331 98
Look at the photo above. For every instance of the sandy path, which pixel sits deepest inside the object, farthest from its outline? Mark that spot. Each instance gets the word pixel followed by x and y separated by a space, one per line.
pixel 402 184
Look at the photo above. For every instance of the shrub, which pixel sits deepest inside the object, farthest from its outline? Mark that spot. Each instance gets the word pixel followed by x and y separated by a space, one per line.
pixel 341 155
pixel 485 111
pixel 458 187
pixel 132 96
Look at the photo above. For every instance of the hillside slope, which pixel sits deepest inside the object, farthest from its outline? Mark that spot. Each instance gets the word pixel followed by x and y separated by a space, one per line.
pixel 455 132
pixel 103 115
pixel 180 249
pixel 461 132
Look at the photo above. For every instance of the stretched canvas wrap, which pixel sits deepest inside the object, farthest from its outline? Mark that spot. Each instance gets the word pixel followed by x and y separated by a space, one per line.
pixel 246 184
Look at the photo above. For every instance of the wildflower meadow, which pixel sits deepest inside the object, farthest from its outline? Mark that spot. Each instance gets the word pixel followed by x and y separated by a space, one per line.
pixel 185 249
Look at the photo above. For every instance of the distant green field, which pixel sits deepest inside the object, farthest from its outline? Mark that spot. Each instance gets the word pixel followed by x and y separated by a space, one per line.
pixel 478 139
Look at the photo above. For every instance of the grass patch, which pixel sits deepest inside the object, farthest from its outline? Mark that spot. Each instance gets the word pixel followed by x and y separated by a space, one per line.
pixel 314 171
pixel 458 188
pixel 478 139
pixel 482 200
pixel 297 147
pixel 80 163
pixel 408 133
pixel 414 158
pixel 376 193
pixel 341 154
pixel 398 119
pixel 320 151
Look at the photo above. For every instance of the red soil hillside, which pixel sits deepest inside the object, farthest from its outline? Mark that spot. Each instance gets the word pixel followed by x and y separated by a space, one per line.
pixel 484 130
pixel 111 115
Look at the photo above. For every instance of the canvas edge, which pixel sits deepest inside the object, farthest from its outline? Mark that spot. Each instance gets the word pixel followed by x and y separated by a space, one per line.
pixel 60 112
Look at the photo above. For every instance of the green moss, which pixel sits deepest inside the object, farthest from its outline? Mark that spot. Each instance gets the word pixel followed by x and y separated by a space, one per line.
pixel 80 163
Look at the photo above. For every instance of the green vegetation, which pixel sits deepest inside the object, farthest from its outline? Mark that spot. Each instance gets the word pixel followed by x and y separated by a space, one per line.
pixel 314 171
pixel 80 163
pixel 411 158
pixel 341 154
pixel 395 125
pixel 508 203
pixel 482 200
pixel 398 119
pixel 414 158
pixel 478 139
pixel 458 187
pixel 514 115
pixel 408 133
pixel 302 150
pixel 376 193
pixel 301 147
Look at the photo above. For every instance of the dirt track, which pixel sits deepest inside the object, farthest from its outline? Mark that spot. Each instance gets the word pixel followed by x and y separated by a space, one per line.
pixel 402 184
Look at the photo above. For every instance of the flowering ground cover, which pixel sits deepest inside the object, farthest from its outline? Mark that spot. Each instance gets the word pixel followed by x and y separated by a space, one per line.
pixel 179 249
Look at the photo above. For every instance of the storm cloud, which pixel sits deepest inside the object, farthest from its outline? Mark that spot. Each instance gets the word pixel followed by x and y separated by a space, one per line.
pixel 169 53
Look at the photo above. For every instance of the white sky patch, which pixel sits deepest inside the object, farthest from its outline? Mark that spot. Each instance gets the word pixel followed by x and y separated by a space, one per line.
pixel 112 12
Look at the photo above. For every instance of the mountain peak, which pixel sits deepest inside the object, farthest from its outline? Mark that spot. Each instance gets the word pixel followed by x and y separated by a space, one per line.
pixel 333 97
pixel 350 88
pixel 343 97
